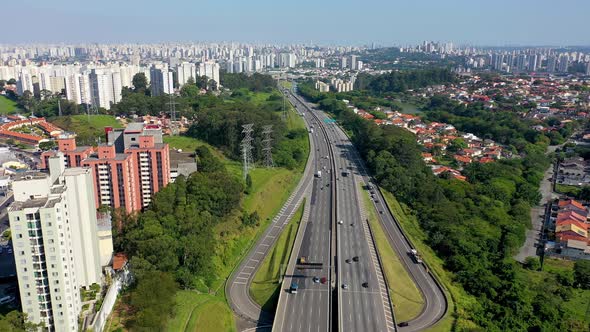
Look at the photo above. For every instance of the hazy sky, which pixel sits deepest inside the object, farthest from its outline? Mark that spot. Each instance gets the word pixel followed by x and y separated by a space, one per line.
pixel 387 22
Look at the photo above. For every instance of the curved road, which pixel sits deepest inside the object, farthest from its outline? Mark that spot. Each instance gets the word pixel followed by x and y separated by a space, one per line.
pixel 238 285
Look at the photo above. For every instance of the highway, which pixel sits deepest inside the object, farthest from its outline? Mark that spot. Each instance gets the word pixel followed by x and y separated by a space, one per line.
pixel 363 302
pixel 309 309
pixel 334 197
pixel 436 304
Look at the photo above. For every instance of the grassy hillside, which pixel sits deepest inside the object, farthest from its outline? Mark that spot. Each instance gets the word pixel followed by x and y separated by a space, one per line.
pixel 8 106
pixel 89 129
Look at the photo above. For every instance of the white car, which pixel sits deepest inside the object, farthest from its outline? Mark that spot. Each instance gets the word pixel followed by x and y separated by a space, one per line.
pixel 340 222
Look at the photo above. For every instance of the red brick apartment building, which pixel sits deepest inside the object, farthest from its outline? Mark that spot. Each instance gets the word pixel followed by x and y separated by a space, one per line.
pixel 133 165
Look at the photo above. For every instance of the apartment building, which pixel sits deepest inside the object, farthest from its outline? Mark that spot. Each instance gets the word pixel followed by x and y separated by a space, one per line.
pixel 133 165
pixel 54 234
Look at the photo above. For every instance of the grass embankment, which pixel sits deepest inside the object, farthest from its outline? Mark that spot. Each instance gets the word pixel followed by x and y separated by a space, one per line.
pixel 406 298
pixel 458 299
pixel 88 128
pixel 200 312
pixel 286 84
pixel 265 286
pixel 8 106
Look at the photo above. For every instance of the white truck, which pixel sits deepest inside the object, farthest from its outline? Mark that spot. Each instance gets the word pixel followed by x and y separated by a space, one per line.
pixel 416 256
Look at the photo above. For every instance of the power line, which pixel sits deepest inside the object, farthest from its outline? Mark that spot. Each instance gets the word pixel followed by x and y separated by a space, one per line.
pixel 267 145
pixel 247 148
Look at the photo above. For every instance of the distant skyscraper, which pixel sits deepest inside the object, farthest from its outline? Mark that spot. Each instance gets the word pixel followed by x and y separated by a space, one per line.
pixel 185 71
pixel 588 68
pixel 161 80
pixel 210 69
pixel 353 62
pixel 563 64
pixel 533 62
pixel 287 60
pixel 551 64
pixel 521 62
pixel 101 88
pixel 343 63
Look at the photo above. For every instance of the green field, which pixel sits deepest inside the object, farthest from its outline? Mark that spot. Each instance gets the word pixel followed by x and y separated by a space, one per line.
pixel 265 286
pixel 457 298
pixel 200 312
pixel 88 129
pixel 8 106
pixel 406 298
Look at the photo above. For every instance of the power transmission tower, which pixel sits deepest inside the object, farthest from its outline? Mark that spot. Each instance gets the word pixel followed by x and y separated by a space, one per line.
pixel 173 123
pixel 172 105
pixel 247 148
pixel 267 146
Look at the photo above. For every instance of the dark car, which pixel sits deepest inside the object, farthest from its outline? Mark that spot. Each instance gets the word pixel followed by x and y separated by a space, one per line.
pixel 323 280
pixel 347 260
pixel 402 324
pixel 365 285
pixel 355 258
pixel 316 280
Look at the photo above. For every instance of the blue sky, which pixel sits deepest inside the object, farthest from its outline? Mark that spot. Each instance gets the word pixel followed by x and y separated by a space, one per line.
pixel 351 22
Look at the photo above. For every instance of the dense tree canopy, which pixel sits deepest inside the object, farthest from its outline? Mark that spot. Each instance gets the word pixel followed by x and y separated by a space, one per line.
pixel 400 81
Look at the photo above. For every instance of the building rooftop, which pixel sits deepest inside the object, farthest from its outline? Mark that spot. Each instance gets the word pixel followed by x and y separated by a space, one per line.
pixel 30 175
pixel 30 203
pixel 76 171
pixel 134 127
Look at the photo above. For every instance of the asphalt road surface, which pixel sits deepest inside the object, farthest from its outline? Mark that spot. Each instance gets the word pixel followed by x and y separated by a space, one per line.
pixel 309 309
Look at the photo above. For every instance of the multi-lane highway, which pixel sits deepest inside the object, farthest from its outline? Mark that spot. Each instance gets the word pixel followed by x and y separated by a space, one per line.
pixel 435 306
pixel 336 236
pixel 309 309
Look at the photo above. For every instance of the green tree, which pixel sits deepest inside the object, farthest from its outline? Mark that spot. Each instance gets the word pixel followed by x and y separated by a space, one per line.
pixel 582 273
pixel 140 82
pixel 15 321
pixel 153 298
pixel 532 263
pixel 47 145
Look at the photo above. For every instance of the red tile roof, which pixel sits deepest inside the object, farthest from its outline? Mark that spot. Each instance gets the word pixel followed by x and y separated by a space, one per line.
pixel 119 261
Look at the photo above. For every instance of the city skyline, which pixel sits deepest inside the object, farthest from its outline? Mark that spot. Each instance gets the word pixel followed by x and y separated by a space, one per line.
pixel 526 23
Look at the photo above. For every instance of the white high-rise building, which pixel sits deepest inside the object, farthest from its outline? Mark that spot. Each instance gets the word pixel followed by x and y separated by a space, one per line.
pixel 101 88
pixel 73 88
pixel 185 71
pixel 24 83
pixel 54 234
pixel 210 69
pixel 287 60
